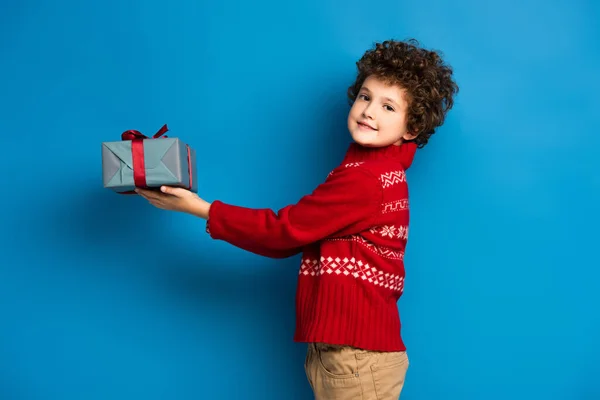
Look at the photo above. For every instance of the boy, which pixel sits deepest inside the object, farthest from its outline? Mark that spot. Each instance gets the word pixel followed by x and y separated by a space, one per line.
pixel 352 229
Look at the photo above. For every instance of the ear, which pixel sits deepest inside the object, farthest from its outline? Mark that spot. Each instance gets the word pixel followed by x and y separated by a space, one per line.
pixel 409 136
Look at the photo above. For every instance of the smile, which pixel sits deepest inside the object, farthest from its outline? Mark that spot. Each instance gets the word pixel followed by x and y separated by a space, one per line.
pixel 362 125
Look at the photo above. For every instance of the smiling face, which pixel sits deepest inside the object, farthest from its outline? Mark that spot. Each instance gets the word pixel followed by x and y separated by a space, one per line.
pixel 378 116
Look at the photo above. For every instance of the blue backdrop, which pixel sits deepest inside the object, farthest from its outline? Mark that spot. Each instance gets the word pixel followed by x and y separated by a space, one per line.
pixel 105 297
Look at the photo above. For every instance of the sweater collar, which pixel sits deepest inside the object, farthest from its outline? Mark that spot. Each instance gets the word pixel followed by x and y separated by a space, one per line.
pixel 404 153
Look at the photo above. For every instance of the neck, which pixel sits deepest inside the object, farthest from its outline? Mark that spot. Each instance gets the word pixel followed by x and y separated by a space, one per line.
pixel 403 153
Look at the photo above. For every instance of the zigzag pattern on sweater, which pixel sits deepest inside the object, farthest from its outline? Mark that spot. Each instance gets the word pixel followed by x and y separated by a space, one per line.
pixel 391 178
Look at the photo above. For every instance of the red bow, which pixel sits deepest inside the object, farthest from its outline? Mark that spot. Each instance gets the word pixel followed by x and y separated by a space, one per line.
pixel 137 153
pixel 132 135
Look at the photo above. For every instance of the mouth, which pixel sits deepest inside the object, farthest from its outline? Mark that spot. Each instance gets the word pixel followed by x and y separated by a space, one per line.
pixel 364 125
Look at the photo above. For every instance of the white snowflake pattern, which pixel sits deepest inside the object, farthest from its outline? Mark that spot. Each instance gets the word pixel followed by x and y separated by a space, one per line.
pixel 400 232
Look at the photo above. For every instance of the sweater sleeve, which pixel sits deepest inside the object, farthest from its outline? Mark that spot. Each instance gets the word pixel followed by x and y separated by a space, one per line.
pixel 346 203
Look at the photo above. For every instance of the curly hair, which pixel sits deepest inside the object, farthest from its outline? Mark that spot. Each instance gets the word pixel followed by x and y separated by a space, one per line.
pixel 422 73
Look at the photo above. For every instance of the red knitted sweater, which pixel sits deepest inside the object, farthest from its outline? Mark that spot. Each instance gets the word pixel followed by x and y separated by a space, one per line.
pixel 352 232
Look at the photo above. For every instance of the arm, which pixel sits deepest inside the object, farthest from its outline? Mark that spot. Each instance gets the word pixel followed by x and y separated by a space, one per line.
pixel 261 251
pixel 183 200
pixel 345 204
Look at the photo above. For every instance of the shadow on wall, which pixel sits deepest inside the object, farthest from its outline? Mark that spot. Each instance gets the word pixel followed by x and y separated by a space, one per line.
pixel 125 239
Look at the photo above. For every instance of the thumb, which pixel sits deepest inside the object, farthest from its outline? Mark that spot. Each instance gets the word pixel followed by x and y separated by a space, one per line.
pixel 178 192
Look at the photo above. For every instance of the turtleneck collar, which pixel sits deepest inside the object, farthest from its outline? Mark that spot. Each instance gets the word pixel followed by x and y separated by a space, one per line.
pixel 404 153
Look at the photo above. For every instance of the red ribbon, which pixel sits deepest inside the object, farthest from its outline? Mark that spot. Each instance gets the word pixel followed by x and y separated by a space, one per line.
pixel 189 160
pixel 137 153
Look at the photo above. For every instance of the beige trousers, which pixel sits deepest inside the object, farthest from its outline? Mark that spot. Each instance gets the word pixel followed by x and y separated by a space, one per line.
pixel 347 373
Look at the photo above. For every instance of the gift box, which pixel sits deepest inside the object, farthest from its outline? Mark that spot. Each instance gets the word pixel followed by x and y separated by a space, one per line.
pixel 148 162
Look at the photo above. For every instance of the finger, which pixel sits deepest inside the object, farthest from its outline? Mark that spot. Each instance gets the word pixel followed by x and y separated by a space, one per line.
pixel 156 203
pixel 173 191
pixel 148 194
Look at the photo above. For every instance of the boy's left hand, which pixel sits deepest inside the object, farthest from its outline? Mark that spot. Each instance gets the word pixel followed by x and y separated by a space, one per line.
pixel 176 199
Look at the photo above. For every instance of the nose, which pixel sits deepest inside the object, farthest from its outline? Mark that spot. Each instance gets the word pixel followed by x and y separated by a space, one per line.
pixel 368 111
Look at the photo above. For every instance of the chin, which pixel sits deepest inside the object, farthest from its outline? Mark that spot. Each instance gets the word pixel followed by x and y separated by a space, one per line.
pixel 371 143
pixel 358 137
pixel 364 140
pixel 365 143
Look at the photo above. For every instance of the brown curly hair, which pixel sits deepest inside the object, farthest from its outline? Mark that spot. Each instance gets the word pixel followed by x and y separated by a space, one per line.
pixel 422 73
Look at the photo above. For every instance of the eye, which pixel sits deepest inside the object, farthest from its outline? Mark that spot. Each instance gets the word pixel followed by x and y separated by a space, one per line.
pixel 388 107
pixel 363 97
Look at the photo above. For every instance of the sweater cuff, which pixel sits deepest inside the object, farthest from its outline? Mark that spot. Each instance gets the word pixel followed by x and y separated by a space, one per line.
pixel 212 225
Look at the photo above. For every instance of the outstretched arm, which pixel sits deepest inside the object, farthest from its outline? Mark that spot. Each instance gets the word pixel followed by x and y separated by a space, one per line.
pixel 345 204
pixel 182 200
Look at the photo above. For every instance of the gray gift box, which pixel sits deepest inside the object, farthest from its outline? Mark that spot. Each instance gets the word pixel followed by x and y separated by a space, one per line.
pixel 160 160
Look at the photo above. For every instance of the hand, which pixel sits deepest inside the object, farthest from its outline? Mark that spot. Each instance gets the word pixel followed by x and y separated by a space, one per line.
pixel 176 199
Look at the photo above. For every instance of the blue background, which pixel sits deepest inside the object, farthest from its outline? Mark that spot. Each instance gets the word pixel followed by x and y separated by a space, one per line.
pixel 103 296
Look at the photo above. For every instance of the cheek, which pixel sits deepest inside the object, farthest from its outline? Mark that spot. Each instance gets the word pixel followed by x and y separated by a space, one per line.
pixel 352 115
pixel 397 124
